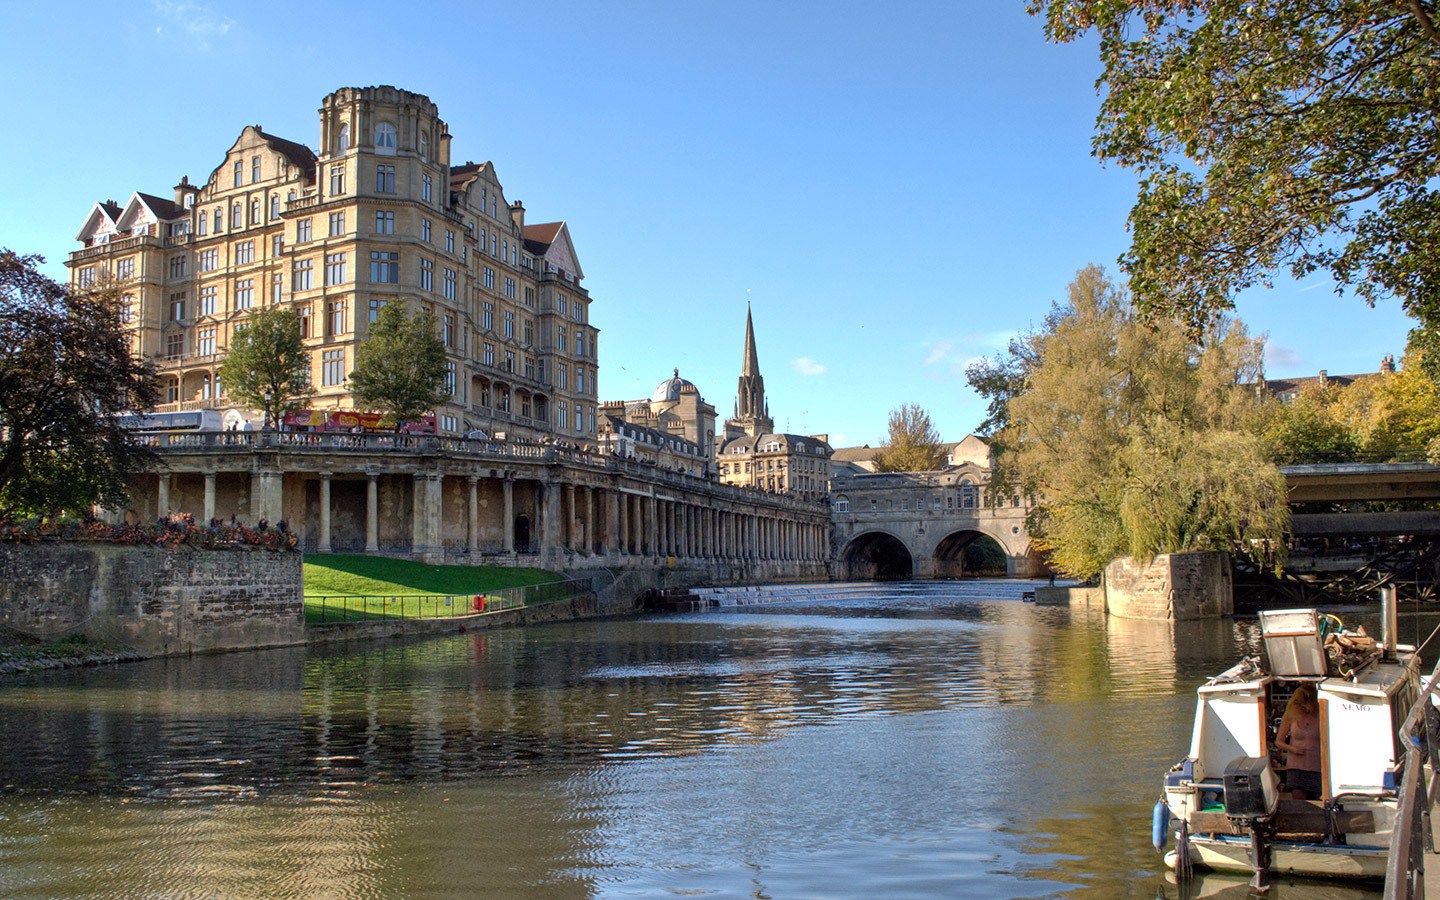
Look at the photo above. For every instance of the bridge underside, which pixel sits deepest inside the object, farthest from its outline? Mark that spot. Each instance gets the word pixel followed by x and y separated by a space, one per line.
pixel 969 553
pixel 877 556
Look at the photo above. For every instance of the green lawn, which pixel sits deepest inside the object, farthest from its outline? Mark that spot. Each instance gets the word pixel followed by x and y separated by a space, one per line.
pixel 400 587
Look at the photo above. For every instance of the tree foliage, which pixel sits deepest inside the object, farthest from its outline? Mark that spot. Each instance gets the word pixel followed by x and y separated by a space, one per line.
pixel 1281 134
pixel 913 444
pixel 1378 418
pixel 267 366
pixel 66 374
pixel 1136 438
pixel 400 367
pixel 1310 428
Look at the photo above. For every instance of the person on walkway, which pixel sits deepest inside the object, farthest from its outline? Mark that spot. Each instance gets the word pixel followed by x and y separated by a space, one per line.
pixel 1299 737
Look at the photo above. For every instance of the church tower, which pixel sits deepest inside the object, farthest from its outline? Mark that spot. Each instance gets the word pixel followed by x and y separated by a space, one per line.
pixel 752 413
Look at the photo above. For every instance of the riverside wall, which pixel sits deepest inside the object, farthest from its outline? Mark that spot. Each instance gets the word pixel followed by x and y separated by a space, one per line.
pixel 1172 586
pixel 158 601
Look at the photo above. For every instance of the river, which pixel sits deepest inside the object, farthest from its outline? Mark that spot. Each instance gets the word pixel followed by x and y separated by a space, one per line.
pixel 912 740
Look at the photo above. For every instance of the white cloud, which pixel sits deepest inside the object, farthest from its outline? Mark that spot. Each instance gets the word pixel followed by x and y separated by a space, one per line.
pixel 937 351
pixel 838 439
pixel 192 22
pixel 804 365
pixel 1275 355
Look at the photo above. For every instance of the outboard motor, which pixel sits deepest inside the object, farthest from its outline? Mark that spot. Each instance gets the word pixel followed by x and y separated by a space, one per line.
pixel 1252 795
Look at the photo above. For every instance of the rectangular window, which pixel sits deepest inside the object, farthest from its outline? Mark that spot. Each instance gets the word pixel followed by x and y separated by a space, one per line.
pixel 489 278
pixel 303 275
pixel 510 288
pixel 509 324
pixel 564 377
pixel 510 361
pixel 579 342
pixel 332 368
pixel 529 332
pixel 450 380
pixel 177 306
pixel 448 284
pixel 304 313
pixel 302 231
pixel 207 300
pixel 239 172
pixel 335 317
pixel 427 275
pixel 385 268
pixel 564 409
pixel 174 349
pixel 277 287
pixel 579 379
pixel 125 269
pixel 425 230
pixel 277 246
pixel 203 221
pixel 447 332
pixel 487 317
pixel 337 224
pixel 274 207
pixel 255 212
pixel 489 356
pixel 205 342
pixel 560 338
pixel 384 179
pixel 337 180
pixel 209 259
pixel 375 306
pixel 245 293
pixel 177 267
pixel 426 184
pixel 384 222
pixel 579 311
pixel 334 268
pixel 530 368
pixel 235 217
pixel 244 253
pixel 254 169
pixel 562 303
pixel 449 241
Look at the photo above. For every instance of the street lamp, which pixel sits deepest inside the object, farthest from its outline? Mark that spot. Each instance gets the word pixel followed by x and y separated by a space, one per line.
pixel 265 426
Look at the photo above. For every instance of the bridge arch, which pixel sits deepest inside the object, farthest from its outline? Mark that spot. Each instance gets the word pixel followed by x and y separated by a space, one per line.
pixel 877 556
pixel 970 552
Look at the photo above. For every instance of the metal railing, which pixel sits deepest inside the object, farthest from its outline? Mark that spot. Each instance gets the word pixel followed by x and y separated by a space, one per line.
pixel 333 608
pixel 1405 866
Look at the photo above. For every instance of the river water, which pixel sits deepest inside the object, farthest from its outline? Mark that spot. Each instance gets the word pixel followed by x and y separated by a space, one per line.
pixel 912 740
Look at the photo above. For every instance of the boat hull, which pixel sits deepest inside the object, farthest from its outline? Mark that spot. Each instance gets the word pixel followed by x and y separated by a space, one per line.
pixel 1232 854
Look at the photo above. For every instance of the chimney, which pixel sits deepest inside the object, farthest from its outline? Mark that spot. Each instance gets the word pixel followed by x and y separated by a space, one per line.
pixel 517 212
pixel 1324 377
pixel 1387 365
pixel 185 190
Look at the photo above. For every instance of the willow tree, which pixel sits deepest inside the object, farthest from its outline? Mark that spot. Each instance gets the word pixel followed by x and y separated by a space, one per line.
pixel 1135 438
pixel 1289 134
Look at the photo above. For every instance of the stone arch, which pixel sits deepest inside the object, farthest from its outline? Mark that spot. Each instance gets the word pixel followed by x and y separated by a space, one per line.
pixel 877 556
pixel 970 552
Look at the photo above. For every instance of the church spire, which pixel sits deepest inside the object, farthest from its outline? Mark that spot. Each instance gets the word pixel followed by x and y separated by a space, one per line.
pixel 751 363
pixel 752 413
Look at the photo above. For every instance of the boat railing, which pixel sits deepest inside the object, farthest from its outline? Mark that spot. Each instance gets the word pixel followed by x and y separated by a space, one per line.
pixel 1405 866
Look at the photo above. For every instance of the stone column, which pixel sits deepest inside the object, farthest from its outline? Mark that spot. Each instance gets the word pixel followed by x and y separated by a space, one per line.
pixel 472 521
pixel 570 529
pixel 209 497
pixel 652 526
pixel 591 545
pixel 507 527
pixel 622 531
pixel 550 522
pixel 425 518
pixel 324 512
pixel 372 513
pixel 612 522
pixel 162 496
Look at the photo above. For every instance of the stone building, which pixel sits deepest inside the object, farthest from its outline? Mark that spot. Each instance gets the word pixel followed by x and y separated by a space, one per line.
pixel 754 455
pixel 674 428
pixel 378 215
pixel 1287 389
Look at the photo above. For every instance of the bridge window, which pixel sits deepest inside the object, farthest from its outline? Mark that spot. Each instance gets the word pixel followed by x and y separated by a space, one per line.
pixel 905 503
pixel 967 496
pixel 842 504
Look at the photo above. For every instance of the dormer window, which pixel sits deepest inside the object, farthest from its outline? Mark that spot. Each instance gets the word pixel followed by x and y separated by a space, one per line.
pixel 385 139
pixel 344 138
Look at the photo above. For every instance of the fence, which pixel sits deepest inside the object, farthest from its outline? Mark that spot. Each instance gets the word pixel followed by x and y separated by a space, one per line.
pixel 331 608
pixel 1405 868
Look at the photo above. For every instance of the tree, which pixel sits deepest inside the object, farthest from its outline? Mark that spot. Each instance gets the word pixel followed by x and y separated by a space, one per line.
pixel 66 376
pixel 400 368
pixel 267 367
pixel 913 444
pixel 1136 439
pixel 1283 134
pixel 1310 428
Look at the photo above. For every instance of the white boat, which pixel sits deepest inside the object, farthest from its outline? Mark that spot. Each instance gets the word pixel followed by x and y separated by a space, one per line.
pixel 1225 804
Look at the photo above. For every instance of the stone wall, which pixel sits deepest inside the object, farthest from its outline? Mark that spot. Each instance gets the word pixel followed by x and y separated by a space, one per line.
pixel 1075 595
pixel 1174 586
pixel 157 600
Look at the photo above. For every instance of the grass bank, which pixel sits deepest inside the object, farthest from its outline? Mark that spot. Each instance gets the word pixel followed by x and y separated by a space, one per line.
pixel 401 587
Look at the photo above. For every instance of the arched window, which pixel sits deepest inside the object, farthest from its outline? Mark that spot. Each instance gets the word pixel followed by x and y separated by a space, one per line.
pixel 967 495
pixel 842 503
pixel 344 138
pixel 385 139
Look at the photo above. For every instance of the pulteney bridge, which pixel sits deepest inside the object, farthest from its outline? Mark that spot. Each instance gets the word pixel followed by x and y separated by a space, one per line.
pixel 918 524
pixel 433 498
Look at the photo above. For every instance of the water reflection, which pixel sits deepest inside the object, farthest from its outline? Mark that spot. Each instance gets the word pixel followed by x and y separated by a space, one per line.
pixel 919 741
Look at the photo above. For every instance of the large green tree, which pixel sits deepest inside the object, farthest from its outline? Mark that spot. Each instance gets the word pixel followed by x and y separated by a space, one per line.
pixel 66 376
pixel 1135 438
pixel 400 366
pixel 267 366
pixel 913 444
pixel 1286 134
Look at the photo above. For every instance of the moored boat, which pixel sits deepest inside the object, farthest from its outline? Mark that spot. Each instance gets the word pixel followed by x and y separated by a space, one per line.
pixel 1235 803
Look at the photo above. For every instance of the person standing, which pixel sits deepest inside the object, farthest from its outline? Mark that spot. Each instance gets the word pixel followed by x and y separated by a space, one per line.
pixel 1299 737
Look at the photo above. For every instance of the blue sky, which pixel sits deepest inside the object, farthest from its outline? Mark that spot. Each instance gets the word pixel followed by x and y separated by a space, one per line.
pixel 897 188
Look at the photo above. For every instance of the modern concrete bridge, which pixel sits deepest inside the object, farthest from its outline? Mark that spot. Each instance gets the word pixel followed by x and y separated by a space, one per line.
pixel 435 498
pixel 1394 482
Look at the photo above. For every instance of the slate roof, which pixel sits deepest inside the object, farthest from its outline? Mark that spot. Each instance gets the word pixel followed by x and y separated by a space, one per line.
pixel 164 209
pixel 298 154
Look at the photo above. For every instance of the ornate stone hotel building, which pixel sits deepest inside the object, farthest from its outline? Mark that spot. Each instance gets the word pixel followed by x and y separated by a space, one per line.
pixel 379 215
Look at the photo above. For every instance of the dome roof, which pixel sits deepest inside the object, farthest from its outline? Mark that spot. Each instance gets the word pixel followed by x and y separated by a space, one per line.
pixel 671 389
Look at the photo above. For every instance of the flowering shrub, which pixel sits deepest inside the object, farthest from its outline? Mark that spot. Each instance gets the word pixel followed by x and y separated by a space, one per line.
pixel 174 531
